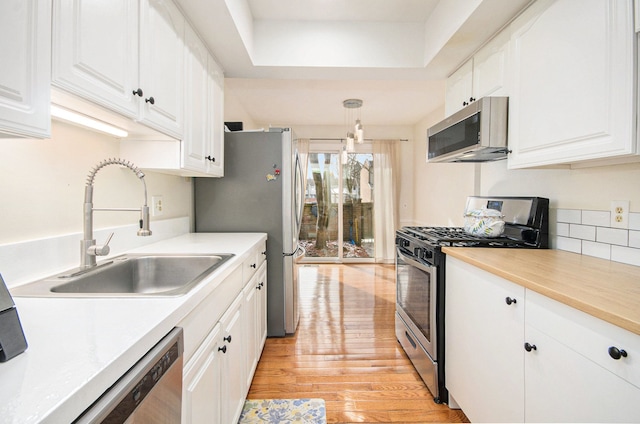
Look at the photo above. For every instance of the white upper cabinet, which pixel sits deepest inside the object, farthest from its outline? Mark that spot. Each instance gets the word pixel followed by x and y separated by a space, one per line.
pixel 572 88
pixel 124 55
pixel 25 73
pixel 194 146
pixel 202 146
pixel 95 52
pixel 483 75
pixel 459 89
pixel 162 65
pixel 215 125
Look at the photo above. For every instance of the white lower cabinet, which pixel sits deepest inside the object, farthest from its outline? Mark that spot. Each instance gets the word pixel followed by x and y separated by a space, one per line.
pixel 202 396
pixel 535 360
pixel 233 360
pixel 223 338
pixel 484 340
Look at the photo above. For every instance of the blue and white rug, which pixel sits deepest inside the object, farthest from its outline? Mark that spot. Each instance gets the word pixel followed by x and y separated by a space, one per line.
pixel 283 411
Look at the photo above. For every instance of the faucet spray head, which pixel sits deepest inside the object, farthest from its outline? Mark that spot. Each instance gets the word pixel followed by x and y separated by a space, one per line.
pixel 144 222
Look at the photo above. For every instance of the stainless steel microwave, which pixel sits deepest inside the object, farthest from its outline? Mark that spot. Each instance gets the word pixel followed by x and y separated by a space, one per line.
pixel 476 133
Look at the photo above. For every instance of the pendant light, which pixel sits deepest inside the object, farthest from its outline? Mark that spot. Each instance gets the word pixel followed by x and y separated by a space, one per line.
pixel 357 135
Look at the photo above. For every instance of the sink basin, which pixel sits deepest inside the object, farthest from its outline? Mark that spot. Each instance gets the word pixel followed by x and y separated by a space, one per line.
pixel 128 276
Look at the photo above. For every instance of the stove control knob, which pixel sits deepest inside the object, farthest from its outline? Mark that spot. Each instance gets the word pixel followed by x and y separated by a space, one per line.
pixel 428 254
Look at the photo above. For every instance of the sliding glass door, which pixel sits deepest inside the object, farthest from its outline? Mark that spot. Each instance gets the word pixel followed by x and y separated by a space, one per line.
pixel 337 224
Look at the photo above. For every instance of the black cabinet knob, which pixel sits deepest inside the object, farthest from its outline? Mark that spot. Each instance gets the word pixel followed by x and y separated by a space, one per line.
pixel 465 104
pixel 529 347
pixel 260 286
pixel 150 100
pixel 210 158
pixel 472 99
pixel 616 353
pixel 223 349
pixel 253 266
pixel 264 253
pixel 138 92
pixel 510 300
pixel 227 339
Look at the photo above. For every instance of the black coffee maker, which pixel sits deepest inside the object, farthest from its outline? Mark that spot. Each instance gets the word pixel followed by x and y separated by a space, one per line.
pixel 12 340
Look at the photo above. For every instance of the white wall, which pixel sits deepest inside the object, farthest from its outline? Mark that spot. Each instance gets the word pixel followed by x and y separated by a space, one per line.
pixel 584 188
pixel 440 189
pixel 42 185
pixel 234 112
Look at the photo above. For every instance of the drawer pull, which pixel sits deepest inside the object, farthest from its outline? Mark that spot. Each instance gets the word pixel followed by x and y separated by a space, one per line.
pixel 253 266
pixel 616 353
pixel 510 300
pixel 223 349
pixel 410 340
pixel 227 339
pixel 529 347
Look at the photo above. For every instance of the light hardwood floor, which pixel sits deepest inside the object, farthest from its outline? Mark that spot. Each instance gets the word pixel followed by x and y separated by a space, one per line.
pixel 345 351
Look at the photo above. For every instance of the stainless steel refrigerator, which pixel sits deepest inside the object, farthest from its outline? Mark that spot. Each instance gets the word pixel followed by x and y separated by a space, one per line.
pixel 262 191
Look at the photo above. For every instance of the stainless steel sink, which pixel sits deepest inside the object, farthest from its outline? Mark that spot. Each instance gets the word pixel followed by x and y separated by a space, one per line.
pixel 128 276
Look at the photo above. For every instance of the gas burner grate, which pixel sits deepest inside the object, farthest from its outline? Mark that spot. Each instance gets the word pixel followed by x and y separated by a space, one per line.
pixel 456 236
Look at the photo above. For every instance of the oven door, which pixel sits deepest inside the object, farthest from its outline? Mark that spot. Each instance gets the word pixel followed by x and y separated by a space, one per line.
pixel 416 299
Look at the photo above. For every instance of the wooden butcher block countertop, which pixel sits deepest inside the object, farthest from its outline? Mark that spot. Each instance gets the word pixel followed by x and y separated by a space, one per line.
pixel 605 289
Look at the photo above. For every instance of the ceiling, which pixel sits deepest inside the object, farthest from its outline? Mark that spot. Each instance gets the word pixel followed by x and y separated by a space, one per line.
pixel 293 62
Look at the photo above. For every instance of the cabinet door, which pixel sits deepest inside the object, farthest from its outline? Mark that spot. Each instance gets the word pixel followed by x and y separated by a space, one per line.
pixel 249 310
pixel 490 66
pixel 564 386
pixel 201 381
pixel 95 52
pixel 484 354
pixel 261 302
pixel 216 120
pixel 233 362
pixel 25 74
pixel 459 89
pixel 572 90
pixel 162 66
pixel 196 136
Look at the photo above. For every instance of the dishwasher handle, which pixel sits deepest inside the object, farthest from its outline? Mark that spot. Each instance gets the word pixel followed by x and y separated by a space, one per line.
pixel 121 400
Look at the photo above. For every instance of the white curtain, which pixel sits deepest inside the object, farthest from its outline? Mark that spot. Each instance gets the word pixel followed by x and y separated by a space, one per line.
pixel 385 189
pixel 303 155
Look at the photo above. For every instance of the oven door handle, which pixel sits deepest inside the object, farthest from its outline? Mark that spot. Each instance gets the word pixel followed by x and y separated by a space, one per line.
pixel 413 262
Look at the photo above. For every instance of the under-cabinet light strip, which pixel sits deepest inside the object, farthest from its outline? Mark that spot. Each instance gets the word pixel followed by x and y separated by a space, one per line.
pixel 85 121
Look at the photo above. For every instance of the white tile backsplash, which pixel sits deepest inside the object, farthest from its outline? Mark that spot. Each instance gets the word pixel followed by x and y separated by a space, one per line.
pixel 569 244
pixel 612 236
pixel 599 250
pixel 589 232
pixel 571 216
pixel 596 218
pixel 562 229
pixel 584 232
pixel 628 255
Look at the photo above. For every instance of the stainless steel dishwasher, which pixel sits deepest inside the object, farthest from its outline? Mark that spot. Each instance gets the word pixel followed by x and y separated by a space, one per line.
pixel 150 392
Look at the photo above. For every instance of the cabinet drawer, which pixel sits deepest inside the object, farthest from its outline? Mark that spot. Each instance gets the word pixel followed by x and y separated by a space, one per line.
pixel 203 318
pixel 589 336
pixel 251 265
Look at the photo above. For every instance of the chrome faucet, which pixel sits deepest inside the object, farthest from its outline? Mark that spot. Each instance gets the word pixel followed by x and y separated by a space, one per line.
pixel 88 248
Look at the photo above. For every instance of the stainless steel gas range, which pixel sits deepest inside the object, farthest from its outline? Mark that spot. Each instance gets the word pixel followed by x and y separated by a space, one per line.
pixel 421 282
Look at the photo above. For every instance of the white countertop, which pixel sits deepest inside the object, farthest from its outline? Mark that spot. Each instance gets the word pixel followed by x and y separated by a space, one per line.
pixel 79 347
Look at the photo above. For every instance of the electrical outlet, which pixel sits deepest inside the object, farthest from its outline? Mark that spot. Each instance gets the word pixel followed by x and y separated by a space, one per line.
pixel 620 213
pixel 157 206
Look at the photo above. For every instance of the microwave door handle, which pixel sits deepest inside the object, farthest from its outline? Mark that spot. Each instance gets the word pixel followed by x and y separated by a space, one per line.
pixel 413 262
